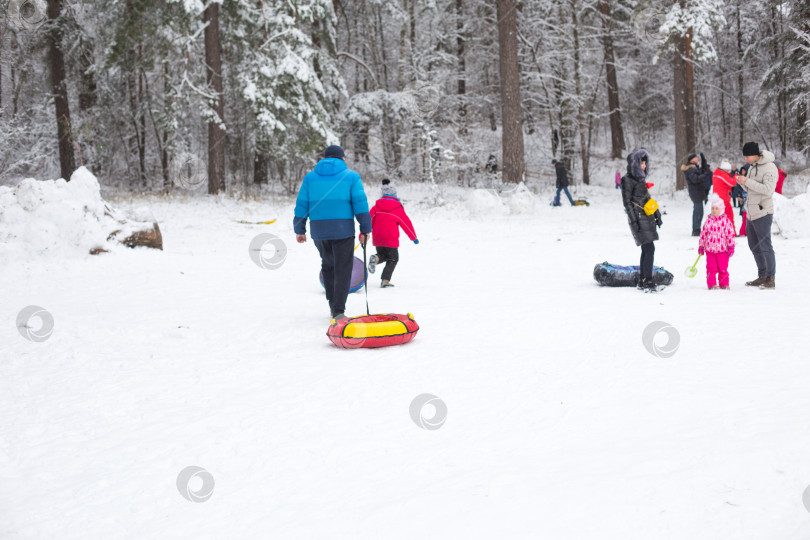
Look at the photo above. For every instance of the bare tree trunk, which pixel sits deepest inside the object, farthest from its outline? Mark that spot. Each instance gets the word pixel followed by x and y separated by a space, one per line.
pixel 259 167
pixel 493 122
pixel 403 53
pixel 684 92
pixel 566 110
pixel 802 132
pixel 216 133
pixel 2 42
pixel 740 76
pixel 616 128
pixel 583 145
pixel 87 92
pixel 142 126
pixel 723 115
pixel 462 76
pixel 512 135
pixel 59 88
pixel 164 150
pixel 461 88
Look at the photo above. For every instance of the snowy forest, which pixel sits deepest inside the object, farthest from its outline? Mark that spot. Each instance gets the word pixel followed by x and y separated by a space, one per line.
pixel 216 323
pixel 239 94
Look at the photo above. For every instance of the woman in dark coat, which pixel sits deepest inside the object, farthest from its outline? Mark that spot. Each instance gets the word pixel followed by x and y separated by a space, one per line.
pixel 634 196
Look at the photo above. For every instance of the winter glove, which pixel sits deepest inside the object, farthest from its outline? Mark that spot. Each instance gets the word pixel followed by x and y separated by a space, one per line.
pixel 701 251
pixel 703 163
pixel 731 251
pixel 659 221
pixel 416 241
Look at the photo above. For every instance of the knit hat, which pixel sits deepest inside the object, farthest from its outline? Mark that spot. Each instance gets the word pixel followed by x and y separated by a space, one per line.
pixel 553 161
pixel 717 201
pixel 751 149
pixel 333 151
pixel 725 165
pixel 690 157
pixel 388 188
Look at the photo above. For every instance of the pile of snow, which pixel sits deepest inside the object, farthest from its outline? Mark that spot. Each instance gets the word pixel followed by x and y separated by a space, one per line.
pixel 517 200
pixel 55 218
pixel 483 202
pixel 520 200
pixel 792 215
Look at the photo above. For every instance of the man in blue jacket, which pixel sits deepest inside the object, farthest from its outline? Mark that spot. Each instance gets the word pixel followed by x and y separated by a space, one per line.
pixel 331 197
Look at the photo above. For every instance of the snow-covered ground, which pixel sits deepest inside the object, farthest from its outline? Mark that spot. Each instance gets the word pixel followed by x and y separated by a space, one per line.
pixel 560 422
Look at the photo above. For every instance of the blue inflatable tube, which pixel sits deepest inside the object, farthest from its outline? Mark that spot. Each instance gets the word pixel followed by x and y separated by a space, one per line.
pixel 613 275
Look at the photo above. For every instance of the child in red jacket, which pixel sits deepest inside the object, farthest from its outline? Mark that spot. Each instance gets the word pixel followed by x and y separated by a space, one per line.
pixel 387 216
pixel 717 242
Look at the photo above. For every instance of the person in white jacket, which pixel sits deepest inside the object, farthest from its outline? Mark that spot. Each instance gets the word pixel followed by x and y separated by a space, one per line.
pixel 760 183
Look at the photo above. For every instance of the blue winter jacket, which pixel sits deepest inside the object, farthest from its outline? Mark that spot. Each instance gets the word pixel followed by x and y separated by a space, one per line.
pixel 331 197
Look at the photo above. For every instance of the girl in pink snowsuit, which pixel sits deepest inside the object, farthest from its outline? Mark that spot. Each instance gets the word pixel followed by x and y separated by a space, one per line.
pixel 717 243
pixel 387 216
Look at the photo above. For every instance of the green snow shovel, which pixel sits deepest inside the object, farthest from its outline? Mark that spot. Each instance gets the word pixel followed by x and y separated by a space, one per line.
pixel 691 271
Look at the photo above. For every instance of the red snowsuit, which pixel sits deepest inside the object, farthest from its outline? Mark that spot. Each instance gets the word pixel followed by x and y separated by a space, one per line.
pixel 722 182
pixel 387 215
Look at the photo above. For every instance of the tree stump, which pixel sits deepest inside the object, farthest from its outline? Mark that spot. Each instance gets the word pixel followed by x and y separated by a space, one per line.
pixel 150 238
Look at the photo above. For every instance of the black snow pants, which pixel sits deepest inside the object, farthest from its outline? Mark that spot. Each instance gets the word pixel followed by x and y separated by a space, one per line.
pixel 337 260
pixel 389 256
pixel 647 254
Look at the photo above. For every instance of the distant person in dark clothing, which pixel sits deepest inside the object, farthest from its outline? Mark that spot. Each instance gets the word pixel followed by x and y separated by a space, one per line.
pixel 562 182
pixel 492 164
pixel 699 182
pixel 635 196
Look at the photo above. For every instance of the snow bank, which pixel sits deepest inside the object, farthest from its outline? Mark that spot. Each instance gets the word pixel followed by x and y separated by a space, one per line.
pixel 518 200
pixel 792 215
pixel 55 218
pixel 485 202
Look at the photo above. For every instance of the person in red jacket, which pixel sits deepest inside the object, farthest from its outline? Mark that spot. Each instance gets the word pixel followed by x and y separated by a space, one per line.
pixel 722 183
pixel 387 216
pixel 782 176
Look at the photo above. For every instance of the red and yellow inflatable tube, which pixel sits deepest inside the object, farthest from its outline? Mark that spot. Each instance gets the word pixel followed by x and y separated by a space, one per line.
pixel 380 330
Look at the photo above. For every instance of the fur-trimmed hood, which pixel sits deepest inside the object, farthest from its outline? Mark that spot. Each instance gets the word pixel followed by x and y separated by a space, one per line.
pixel 688 166
pixel 634 164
